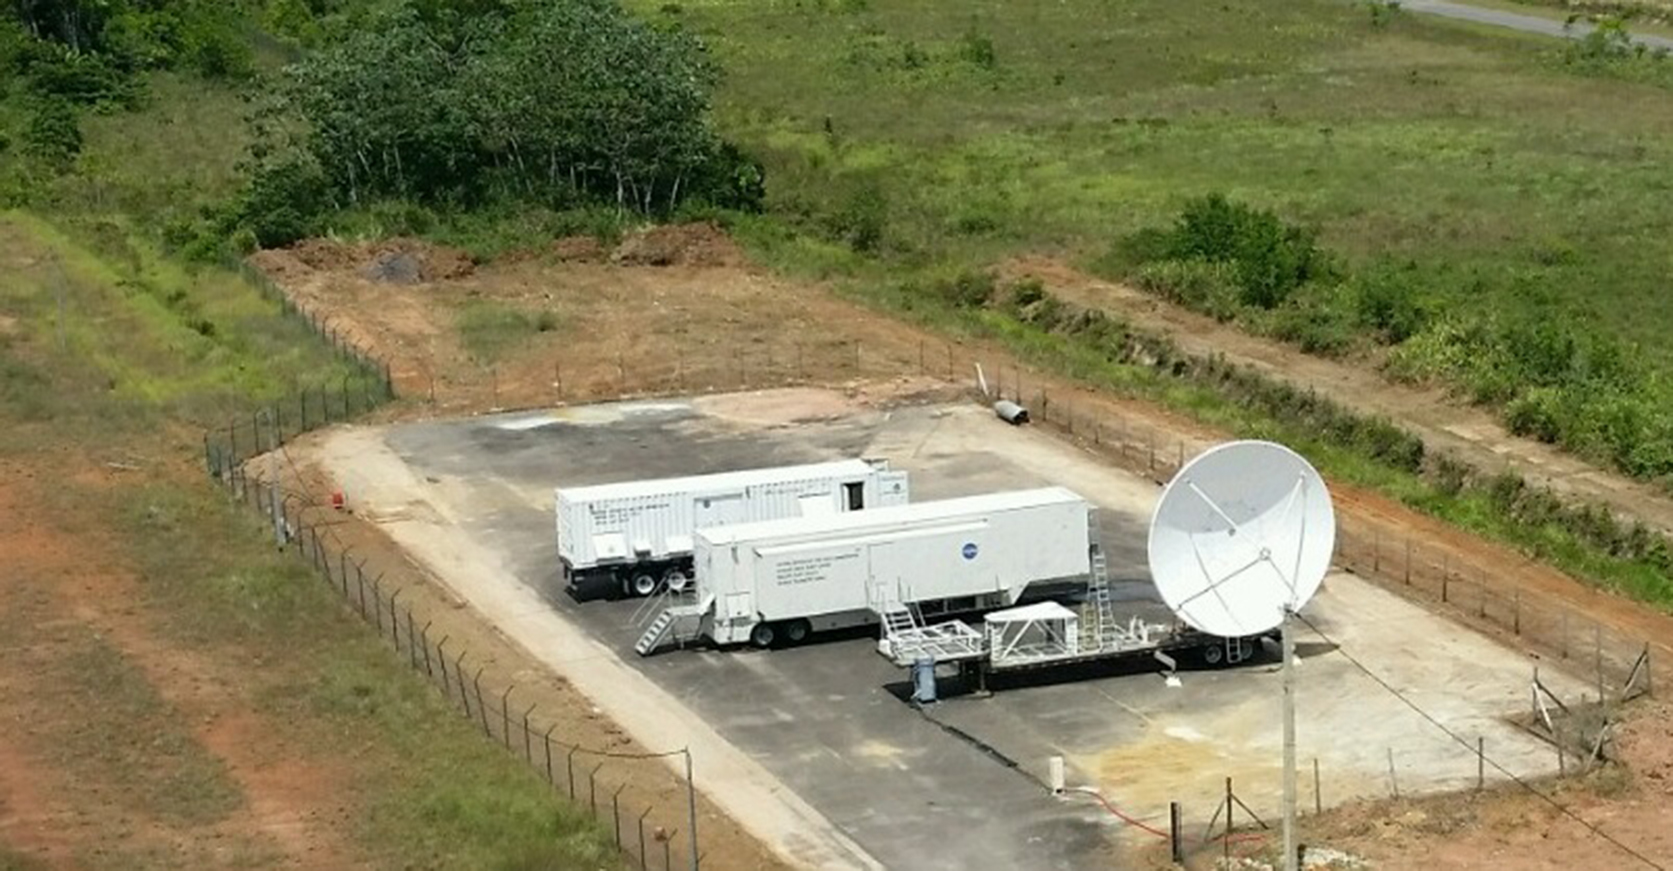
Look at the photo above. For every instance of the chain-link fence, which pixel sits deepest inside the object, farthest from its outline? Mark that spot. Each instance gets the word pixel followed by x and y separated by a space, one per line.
pixel 628 791
pixel 1447 577
pixel 653 831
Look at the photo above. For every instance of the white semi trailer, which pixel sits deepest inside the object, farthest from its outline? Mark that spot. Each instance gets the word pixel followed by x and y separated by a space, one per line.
pixel 783 580
pixel 636 537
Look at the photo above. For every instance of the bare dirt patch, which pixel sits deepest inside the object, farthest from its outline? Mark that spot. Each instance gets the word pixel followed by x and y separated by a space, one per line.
pixel 63 582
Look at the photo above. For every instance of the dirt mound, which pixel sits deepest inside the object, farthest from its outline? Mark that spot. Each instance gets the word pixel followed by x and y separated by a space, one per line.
pixel 407 261
pixel 395 261
pixel 579 249
pixel 701 244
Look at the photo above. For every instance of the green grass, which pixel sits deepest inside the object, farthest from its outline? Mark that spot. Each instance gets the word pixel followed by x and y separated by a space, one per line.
pixel 491 330
pixel 143 338
pixel 434 793
pixel 130 372
pixel 12 860
pixel 1470 150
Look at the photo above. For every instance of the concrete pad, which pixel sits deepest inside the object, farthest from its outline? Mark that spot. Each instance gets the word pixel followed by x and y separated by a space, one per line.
pixel 812 748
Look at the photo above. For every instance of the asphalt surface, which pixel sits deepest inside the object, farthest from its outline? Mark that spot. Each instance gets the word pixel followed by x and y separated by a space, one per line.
pixel 1518 21
pixel 961 786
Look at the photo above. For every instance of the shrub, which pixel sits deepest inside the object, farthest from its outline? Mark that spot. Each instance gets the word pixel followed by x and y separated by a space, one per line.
pixel 54 135
pixel 1386 303
pixel 969 289
pixel 1535 414
pixel 1197 284
pixel 1271 258
pixel 862 218
pixel 1315 329
pixel 283 202
pixel 977 49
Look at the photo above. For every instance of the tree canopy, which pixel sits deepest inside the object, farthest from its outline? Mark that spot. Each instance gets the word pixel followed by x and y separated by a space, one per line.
pixel 559 103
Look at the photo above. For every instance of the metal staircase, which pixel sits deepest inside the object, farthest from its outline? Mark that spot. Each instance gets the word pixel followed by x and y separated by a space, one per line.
pixel 674 624
pixel 1098 590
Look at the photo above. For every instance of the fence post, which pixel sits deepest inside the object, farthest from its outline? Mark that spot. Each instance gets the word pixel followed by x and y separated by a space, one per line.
pixel 592 789
pixel 1176 846
pixel 459 675
pixel 505 715
pixel 1565 633
pixel 394 623
pixel 528 752
pixel 1480 762
pixel 642 838
pixel 481 709
pixel 412 637
pixel 232 440
pixel 1516 612
pixel 1393 780
pixel 616 812
pixel 441 658
pixel 548 739
pixel 1446 571
pixel 345 397
pixel 1408 562
pixel 569 765
pixel 1597 653
pixel 1376 550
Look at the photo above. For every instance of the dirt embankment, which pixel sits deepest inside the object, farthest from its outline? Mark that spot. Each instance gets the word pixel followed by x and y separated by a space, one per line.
pixel 1468 433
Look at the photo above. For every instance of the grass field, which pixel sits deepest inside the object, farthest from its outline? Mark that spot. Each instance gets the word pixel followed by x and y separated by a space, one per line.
pixel 177 688
pixel 1508 179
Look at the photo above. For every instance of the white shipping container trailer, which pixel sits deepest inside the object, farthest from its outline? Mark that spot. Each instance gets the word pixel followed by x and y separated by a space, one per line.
pixel 785 579
pixel 635 537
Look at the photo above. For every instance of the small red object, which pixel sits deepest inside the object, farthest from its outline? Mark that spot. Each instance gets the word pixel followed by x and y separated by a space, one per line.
pixel 337 499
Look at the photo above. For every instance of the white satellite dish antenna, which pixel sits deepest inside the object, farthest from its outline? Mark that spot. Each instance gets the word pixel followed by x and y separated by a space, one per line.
pixel 1243 534
pixel 1241 540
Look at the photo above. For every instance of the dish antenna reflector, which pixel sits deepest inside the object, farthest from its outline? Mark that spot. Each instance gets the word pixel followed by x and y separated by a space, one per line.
pixel 1241 535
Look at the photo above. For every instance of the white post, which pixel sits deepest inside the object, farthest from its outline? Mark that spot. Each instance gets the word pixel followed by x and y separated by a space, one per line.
pixel 691 807
pixel 277 507
pixel 1055 766
pixel 1291 860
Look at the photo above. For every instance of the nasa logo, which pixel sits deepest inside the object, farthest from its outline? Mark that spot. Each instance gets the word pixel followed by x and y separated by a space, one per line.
pixel 970 550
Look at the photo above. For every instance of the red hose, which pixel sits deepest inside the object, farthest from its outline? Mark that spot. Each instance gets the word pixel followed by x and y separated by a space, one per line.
pixel 1117 812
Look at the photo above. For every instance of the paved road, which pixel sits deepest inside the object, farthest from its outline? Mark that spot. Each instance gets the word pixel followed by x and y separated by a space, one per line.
pixel 1516 21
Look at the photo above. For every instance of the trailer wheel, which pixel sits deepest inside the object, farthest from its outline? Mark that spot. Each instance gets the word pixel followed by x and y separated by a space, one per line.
pixel 763 635
pixel 797 631
pixel 1245 650
pixel 643 584
pixel 675 580
pixel 1214 654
